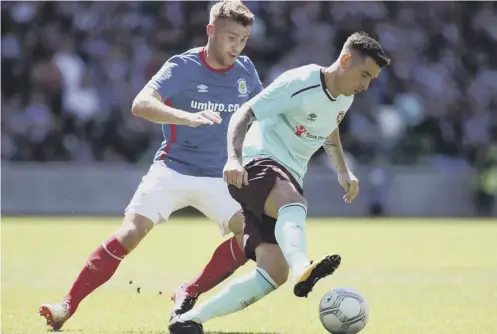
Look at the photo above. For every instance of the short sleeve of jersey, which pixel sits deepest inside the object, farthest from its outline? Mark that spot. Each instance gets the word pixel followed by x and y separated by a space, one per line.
pixel 257 85
pixel 277 98
pixel 171 78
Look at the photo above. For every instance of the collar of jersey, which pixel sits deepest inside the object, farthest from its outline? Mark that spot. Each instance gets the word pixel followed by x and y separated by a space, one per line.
pixel 323 84
pixel 218 70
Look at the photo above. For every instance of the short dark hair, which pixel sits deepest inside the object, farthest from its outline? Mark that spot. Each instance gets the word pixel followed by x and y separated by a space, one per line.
pixel 234 10
pixel 367 46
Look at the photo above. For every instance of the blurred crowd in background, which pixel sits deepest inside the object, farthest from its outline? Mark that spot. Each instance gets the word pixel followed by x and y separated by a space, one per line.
pixel 70 71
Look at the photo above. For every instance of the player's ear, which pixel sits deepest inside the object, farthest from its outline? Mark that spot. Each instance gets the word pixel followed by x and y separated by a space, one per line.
pixel 345 59
pixel 210 30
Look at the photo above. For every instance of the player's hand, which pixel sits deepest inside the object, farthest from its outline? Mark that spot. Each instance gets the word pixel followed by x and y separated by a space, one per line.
pixel 205 117
pixel 350 184
pixel 235 174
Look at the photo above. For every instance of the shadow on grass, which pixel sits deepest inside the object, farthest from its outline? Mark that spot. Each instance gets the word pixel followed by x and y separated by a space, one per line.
pixel 211 332
pixel 138 331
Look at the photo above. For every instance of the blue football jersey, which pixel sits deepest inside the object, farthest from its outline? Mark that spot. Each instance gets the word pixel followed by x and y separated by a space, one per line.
pixel 188 83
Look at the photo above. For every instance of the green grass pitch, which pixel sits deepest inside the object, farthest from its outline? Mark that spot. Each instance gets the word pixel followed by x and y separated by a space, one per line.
pixel 419 276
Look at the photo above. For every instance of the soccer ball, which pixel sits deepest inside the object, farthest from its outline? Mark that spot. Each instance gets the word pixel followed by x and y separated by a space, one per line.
pixel 343 311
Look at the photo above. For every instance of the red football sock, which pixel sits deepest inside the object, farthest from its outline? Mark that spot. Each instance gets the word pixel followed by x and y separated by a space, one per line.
pixel 99 268
pixel 226 259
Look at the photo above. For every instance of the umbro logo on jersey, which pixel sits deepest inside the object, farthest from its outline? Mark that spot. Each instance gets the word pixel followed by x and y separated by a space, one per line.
pixel 312 117
pixel 202 88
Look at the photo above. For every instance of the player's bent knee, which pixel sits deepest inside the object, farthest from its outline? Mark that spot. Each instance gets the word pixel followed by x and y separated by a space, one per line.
pixel 133 229
pixel 235 223
pixel 283 193
pixel 271 259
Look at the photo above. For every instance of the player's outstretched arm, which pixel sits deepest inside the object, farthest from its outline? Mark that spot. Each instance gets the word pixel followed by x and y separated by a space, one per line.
pixel 333 146
pixel 148 105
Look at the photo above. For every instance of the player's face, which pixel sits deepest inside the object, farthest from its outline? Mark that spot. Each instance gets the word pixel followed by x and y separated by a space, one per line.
pixel 357 73
pixel 228 40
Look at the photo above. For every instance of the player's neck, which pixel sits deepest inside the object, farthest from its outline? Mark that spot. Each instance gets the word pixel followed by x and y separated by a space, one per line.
pixel 209 59
pixel 330 78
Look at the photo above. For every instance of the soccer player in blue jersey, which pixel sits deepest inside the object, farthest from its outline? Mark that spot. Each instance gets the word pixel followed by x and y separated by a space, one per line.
pixel 292 118
pixel 193 96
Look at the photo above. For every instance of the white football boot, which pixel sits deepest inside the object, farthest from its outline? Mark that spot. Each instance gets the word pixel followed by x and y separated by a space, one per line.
pixel 55 314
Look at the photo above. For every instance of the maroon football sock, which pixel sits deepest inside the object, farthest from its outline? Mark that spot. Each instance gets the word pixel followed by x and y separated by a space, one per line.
pixel 226 259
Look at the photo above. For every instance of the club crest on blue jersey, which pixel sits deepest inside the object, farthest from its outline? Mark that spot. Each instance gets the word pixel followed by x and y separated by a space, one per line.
pixel 242 87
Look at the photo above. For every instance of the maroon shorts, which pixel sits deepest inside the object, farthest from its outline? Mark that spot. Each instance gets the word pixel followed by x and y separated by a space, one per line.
pixel 257 226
